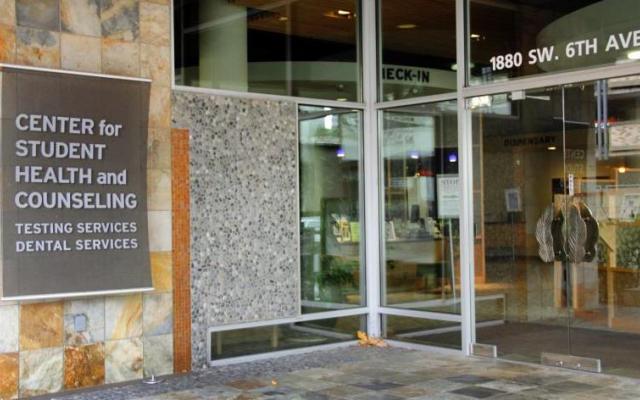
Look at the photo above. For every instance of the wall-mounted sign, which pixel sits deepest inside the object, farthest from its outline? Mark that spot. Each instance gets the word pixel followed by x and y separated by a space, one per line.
pixel 565 50
pixel 448 187
pixel 419 77
pixel 74 188
pixel 529 140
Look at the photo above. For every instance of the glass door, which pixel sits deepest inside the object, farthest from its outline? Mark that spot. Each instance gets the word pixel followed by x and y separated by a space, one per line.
pixel 602 158
pixel 519 189
pixel 557 193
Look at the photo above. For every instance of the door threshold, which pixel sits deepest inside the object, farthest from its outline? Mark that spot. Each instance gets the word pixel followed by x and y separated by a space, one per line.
pixel 571 362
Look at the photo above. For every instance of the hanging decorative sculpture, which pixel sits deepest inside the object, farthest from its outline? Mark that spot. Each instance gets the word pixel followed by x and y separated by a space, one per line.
pixel 544 235
pixel 573 238
pixel 575 235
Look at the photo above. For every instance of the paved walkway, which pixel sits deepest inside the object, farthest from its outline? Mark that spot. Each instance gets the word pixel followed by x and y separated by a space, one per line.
pixel 369 374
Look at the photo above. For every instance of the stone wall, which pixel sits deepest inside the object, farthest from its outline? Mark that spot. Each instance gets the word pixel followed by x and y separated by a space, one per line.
pixel 127 336
pixel 244 211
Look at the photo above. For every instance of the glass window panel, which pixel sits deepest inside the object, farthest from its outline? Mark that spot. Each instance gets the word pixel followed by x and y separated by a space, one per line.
pixel 418 48
pixel 512 38
pixel 330 208
pixel 423 331
pixel 300 48
pixel 421 267
pixel 242 342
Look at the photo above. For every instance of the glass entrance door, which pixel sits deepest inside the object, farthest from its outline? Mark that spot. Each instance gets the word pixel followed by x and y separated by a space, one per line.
pixel 602 157
pixel 521 298
pixel 557 192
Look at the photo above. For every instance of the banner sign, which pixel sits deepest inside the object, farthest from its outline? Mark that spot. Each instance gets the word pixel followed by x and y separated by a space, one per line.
pixel 448 187
pixel 74 184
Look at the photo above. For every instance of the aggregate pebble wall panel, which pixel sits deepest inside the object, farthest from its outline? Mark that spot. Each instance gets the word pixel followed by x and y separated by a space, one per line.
pixel 244 211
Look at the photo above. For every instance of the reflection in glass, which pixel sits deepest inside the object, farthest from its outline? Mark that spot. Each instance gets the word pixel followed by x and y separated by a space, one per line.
pixel 421 200
pixel 242 342
pixel 302 48
pixel 514 38
pixel 423 331
pixel 418 48
pixel 330 190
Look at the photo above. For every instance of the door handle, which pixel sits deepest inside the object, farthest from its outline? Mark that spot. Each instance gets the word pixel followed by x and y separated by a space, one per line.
pixel 605 119
pixel 598 94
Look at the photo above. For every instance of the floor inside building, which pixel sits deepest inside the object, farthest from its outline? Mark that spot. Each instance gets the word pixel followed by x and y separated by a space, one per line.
pixel 524 341
pixel 375 373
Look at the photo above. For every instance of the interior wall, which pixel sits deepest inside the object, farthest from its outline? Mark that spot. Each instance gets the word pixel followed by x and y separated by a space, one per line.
pixel 244 211
pixel 127 337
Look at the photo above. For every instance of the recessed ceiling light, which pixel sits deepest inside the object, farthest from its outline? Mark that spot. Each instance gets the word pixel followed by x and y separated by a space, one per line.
pixel 283 19
pixel 406 26
pixel 454 67
pixel 634 55
pixel 481 101
pixel 475 36
pixel 622 170
pixel 341 14
pixel 552 148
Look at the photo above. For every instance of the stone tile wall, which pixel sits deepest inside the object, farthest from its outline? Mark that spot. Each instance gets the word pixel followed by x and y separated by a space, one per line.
pixel 243 213
pixel 126 337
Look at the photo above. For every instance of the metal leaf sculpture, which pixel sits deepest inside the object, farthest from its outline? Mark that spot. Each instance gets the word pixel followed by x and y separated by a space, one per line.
pixel 544 235
pixel 575 235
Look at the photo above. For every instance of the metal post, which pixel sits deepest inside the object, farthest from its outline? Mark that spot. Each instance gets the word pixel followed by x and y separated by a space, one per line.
pixel 452 262
pixel 371 164
pixel 465 146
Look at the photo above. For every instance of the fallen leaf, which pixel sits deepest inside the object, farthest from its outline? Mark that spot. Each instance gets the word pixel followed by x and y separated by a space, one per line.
pixel 367 341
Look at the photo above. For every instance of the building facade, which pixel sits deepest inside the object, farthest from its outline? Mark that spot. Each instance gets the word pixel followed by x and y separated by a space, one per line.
pixel 449 173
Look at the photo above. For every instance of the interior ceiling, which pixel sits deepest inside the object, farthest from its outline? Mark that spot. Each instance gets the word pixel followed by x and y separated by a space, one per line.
pixel 434 29
pixel 311 19
pixel 499 22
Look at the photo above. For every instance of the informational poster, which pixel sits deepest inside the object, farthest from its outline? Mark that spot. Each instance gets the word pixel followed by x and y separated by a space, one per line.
pixel 74 187
pixel 624 138
pixel 512 200
pixel 448 186
pixel 630 207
